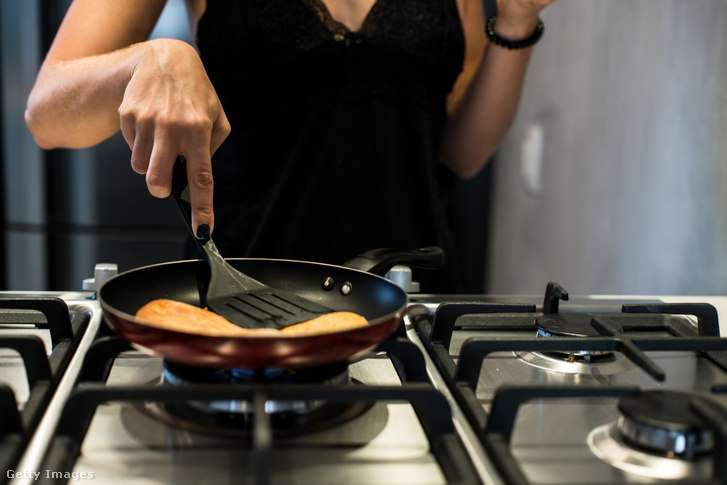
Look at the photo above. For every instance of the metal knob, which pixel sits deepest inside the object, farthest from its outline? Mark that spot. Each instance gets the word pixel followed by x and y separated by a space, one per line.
pixel 402 276
pixel 101 273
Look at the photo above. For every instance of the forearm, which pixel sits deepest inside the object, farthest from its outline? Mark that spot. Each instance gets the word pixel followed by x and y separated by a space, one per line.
pixel 101 75
pixel 483 106
pixel 484 115
pixel 74 103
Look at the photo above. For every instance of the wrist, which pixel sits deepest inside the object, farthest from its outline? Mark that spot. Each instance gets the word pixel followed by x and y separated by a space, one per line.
pixel 515 28
pixel 518 35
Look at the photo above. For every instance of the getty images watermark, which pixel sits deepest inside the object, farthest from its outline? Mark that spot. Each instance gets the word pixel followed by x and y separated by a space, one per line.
pixel 50 474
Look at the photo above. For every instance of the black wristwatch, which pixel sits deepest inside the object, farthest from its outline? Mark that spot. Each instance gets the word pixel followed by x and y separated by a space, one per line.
pixel 513 44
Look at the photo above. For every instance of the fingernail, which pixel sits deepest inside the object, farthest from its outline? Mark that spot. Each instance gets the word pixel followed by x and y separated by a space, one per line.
pixel 203 231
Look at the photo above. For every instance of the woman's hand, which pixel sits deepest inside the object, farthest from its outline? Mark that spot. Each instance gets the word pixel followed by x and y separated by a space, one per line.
pixel 101 75
pixel 170 108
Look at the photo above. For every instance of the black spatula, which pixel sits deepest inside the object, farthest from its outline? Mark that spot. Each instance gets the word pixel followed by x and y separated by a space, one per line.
pixel 242 300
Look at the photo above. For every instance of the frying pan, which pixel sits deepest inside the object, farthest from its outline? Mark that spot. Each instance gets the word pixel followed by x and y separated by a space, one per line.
pixel 353 288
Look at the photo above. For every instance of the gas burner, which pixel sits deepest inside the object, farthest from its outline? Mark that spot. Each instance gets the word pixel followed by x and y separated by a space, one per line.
pixel 599 366
pixel 573 325
pixel 235 417
pixel 177 374
pixel 662 422
pixel 658 435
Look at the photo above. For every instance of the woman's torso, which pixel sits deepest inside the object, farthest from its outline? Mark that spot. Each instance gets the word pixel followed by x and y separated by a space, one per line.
pixel 335 126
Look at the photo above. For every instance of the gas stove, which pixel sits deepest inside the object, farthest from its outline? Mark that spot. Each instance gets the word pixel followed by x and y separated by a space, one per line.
pixel 478 389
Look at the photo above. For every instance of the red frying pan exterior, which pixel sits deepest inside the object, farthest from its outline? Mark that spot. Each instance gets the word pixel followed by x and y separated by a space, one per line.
pixel 380 301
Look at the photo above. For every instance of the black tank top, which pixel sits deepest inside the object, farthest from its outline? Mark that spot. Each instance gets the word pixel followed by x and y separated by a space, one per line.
pixel 335 138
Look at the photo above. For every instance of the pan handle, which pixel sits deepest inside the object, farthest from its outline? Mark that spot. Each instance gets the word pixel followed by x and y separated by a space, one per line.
pixel 379 261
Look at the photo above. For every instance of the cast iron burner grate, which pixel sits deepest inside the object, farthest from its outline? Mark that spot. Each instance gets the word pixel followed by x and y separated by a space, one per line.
pixel 430 406
pixel 42 372
pixel 642 327
pixel 709 415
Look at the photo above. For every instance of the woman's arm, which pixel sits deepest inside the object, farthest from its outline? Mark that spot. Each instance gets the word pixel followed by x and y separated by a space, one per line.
pixel 101 75
pixel 483 103
pixel 82 80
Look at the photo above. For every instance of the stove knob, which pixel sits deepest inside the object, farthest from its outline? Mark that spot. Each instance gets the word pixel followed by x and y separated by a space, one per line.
pixel 101 273
pixel 401 276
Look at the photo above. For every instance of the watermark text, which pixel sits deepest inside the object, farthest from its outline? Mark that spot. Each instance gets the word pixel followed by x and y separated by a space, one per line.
pixel 35 475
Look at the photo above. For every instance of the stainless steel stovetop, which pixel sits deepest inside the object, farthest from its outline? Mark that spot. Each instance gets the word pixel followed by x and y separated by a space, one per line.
pixel 456 397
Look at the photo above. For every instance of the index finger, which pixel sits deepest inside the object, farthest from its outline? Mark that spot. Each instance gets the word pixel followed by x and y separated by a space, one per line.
pixel 201 188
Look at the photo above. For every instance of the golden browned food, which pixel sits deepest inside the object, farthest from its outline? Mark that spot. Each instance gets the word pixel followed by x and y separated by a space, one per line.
pixel 183 317
pixel 330 322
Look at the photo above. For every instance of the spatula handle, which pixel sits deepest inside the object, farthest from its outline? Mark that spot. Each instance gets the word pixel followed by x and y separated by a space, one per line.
pixel 222 270
pixel 180 192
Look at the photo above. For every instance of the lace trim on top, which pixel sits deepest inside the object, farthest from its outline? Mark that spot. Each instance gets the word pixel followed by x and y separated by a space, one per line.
pixel 296 52
pixel 339 30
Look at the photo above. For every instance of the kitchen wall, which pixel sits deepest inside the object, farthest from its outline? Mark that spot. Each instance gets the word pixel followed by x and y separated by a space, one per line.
pixel 614 177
